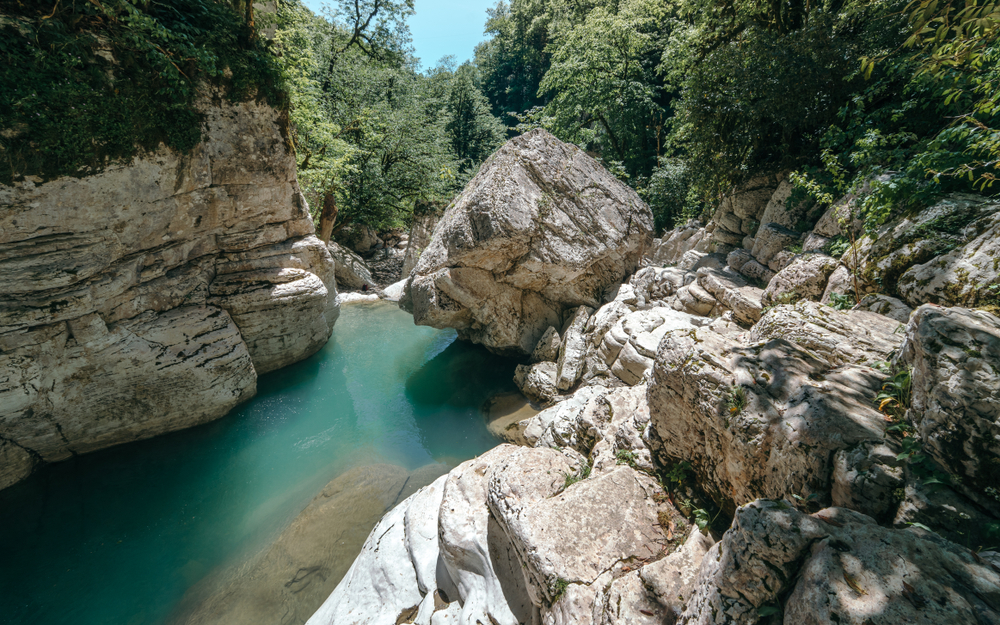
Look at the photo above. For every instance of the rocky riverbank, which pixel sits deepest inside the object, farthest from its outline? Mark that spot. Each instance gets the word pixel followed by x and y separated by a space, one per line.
pixel 721 444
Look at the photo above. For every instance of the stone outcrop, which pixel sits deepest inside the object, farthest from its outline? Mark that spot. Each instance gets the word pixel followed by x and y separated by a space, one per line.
pixel 540 230
pixel 425 218
pixel 805 277
pixel 351 271
pixel 767 418
pixel 954 354
pixel 838 566
pixel 148 298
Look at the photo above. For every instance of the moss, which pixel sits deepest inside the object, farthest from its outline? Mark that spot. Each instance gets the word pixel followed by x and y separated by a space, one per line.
pixel 96 83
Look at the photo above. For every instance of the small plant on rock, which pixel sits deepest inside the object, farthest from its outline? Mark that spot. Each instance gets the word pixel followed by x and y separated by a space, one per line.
pixel 559 588
pixel 841 302
pixel 675 477
pixel 582 474
pixel 894 400
pixel 626 456
pixel 736 400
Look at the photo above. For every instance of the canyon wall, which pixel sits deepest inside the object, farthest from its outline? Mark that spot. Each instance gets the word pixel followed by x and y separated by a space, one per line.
pixel 149 297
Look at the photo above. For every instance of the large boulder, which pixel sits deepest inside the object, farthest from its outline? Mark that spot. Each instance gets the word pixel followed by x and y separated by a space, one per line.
pixel 969 275
pixel 838 566
pixel 541 229
pixel 839 337
pixel 955 358
pixel 351 270
pixel 425 218
pixel 805 278
pixel 764 419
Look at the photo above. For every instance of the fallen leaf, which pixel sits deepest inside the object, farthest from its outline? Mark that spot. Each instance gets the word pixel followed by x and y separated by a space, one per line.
pixel 647 612
pixel 853 583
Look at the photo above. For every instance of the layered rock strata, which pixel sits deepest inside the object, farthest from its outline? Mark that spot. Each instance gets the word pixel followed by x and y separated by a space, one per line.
pixel 540 230
pixel 148 298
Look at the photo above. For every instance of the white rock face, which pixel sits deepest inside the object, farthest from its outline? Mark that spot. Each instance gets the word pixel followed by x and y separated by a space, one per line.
pixel 839 337
pixel 955 355
pixel 212 251
pixel 630 346
pixel 421 231
pixel 794 412
pixel 886 306
pixel 839 567
pixel 966 276
pixel 351 270
pixel 541 229
pixel 805 277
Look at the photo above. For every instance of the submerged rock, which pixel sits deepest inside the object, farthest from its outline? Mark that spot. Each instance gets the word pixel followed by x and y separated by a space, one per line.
pixel 540 230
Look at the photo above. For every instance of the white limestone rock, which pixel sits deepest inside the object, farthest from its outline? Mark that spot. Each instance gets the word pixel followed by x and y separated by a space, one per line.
pixel 955 356
pixel 541 229
pixel 805 277
pixel 629 347
pixel 537 382
pixel 793 412
pixel 147 244
pixel 839 337
pixel 733 293
pixel 351 270
pixel 886 306
pixel 573 349
pixel 838 566
pixel 547 349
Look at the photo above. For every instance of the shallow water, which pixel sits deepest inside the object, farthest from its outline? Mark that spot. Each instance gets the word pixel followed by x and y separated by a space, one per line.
pixel 118 536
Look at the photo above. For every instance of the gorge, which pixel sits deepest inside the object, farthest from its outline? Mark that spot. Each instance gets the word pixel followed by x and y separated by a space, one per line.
pixel 601 327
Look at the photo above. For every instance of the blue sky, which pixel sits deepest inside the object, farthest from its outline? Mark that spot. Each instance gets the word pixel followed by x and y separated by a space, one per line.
pixel 441 27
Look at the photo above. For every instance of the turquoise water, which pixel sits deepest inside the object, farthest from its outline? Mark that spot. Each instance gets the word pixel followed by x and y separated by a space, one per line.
pixel 118 536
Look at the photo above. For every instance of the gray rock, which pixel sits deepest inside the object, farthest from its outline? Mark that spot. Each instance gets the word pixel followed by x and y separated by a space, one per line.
pixel 755 271
pixel 547 349
pixel 771 239
pixel 653 284
pixel 351 270
pixel 694 299
pixel 966 276
pixel 840 567
pixel 887 306
pixel 421 230
pixel 573 349
pixel 805 277
pixel 839 337
pixel 572 533
pixel 955 356
pixel 782 212
pixel 794 412
pixel 671 248
pixel 542 228
pixel 919 237
pixel 946 512
pixel 738 258
pixel 537 382
pixel 815 242
pixel 215 247
pixel 733 293
pixel 672 579
pixel 629 347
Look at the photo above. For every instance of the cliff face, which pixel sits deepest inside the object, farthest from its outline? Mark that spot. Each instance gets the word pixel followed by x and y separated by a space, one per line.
pixel 149 297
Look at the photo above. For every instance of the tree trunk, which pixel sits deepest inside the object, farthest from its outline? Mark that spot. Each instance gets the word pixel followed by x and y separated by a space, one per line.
pixel 328 218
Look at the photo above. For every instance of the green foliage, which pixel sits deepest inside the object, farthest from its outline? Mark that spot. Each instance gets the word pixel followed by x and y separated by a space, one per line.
pixel 736 399
pixel 669 194
pixel 375 137
pixel 579 476
pixel 559 588
pixel 626 456
pixel 841 302
pixel 85 84
pixel 601 83
pixel 894 399
pixel 676 476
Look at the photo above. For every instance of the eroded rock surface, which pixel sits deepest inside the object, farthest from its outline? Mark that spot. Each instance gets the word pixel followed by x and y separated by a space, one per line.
pixel 541 229
pixel 162 287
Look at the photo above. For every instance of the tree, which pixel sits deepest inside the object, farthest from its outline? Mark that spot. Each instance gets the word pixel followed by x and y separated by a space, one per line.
pixel 474 132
